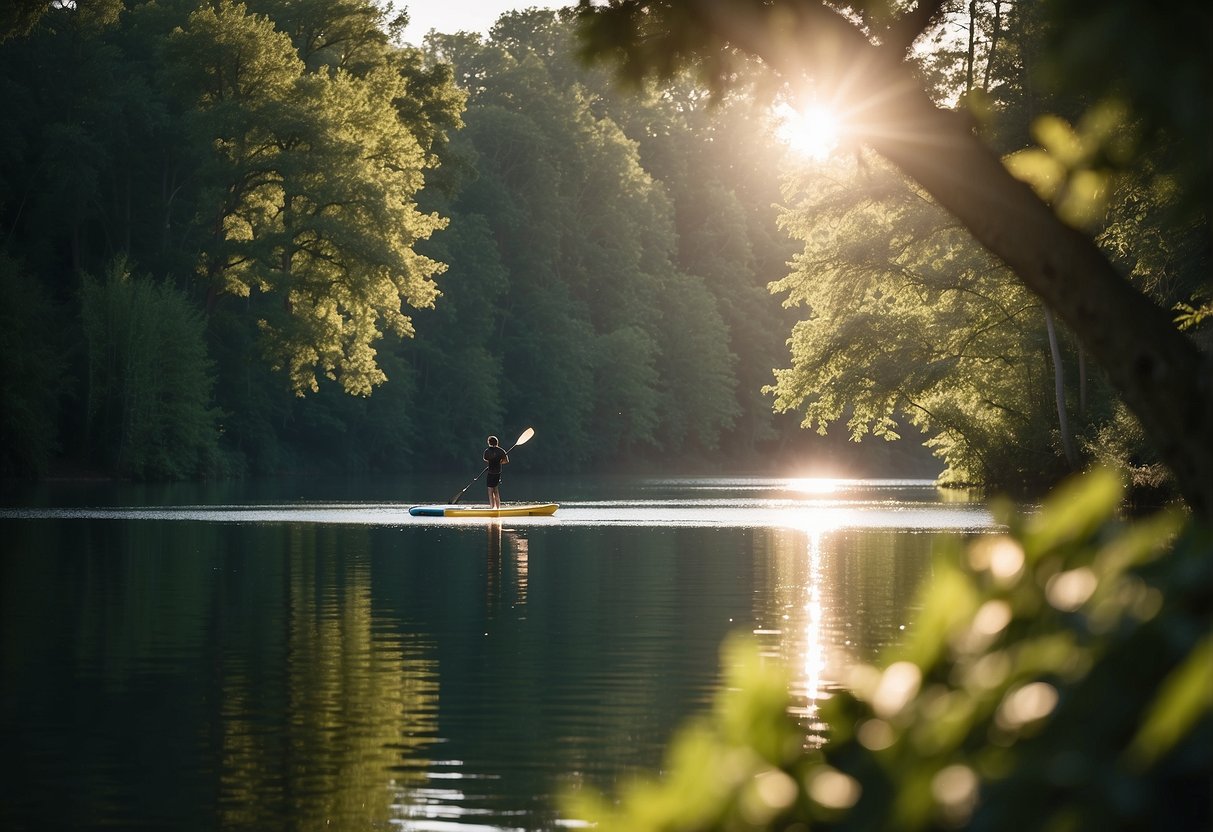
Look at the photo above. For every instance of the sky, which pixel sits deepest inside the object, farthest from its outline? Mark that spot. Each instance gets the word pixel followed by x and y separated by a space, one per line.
pixel 462 15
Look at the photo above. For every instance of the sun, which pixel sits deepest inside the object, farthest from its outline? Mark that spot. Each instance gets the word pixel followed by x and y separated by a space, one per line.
pixel 813 131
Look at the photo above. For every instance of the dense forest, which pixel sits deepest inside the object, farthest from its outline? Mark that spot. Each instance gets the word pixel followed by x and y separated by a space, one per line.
pixel 270 237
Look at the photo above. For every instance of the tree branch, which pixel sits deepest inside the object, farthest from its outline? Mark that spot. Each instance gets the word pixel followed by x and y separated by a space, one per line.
pixel 911 25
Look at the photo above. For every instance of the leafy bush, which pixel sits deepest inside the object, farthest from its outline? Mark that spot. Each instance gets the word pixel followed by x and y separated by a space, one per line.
pixel 149 379
pixel 1059 677
pixel 31 373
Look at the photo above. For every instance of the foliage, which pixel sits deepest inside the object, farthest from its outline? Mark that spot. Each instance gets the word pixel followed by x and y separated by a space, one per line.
pixel 626 381
pixel 1058 676
pixel 1168 257
pixel 601 268
pixel 619 322
pixel 1189 316
pixel 459 373
pixel 31 373
pixel 309 193
pixel 18 17
pixel 149 410
pixel 906 320
pixel 1155 67
pixel 696 367
pixel 273 153
pixel 1121 444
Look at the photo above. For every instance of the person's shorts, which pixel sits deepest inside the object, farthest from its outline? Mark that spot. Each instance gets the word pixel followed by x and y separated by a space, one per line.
pixel 494 479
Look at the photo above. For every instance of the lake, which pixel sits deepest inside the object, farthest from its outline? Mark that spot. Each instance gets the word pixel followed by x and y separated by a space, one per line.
pixel 305 655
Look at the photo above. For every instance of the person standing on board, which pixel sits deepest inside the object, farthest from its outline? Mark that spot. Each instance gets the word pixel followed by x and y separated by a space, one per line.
pixel 495 457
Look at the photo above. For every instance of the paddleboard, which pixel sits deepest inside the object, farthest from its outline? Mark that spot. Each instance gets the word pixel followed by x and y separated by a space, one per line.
pixel 529 510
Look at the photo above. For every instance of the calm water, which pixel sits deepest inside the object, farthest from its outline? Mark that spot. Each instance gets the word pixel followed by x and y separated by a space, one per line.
pixel 306 656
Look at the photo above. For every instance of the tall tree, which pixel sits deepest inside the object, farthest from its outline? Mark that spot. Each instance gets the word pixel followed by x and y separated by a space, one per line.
pixel 311 190
pixel 908 320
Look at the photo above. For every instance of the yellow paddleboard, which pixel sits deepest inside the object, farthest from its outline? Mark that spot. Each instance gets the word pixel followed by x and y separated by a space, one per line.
pixel 527 510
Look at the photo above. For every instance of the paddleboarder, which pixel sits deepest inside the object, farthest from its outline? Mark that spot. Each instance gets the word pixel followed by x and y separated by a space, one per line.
pixel 495 457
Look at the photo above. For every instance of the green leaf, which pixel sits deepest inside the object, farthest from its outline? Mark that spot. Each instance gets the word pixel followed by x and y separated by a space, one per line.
pixel 1073 512
pixel 1184 697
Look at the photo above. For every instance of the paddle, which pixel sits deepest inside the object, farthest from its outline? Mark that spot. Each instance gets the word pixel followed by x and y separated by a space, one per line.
pixel 522 440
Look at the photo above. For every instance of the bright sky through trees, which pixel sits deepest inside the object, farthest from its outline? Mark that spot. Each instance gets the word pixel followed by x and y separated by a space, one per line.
pixel 448 16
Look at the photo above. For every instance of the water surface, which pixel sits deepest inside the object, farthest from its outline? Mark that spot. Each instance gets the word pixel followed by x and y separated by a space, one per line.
pixel 310 656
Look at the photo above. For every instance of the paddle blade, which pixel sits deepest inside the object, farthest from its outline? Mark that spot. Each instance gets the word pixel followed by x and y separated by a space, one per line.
pixel 526 436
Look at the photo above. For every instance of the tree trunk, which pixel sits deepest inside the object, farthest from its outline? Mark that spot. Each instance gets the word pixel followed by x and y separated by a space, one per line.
pixel 1059 392
pixel 1163 377
pixel 1082 383
pixel 995 36
pixel 971 58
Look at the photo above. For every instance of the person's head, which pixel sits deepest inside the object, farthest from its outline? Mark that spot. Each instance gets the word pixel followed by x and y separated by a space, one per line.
pixel 492 441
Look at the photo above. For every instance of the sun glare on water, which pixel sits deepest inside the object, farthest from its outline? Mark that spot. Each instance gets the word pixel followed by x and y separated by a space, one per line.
pixel 812 131
pixel 812 485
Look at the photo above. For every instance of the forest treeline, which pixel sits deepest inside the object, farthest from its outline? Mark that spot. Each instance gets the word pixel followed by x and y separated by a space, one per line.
pixel 265 237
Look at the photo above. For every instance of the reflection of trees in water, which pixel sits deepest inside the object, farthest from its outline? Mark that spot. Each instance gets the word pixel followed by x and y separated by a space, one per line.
pixel 828 600
pixel 334 732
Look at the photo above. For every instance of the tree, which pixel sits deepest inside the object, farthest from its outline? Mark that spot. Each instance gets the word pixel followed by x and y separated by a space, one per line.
pixel 626 382
pixel 457 364
pixel 19 17
pixel 149 405
pixel 310 193
pixel 31 373
pixel 858 53
pixel 598 330
pixel 909 321
pixel 193 140
pixel 867 233
pixel 696 367
pixel 724 186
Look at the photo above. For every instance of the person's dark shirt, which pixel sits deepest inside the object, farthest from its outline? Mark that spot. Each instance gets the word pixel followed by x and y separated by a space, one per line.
pixel 493 455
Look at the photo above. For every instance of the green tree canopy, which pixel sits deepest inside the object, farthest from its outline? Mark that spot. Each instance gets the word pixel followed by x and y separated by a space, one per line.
pixel 309 194
pixel 907 320
pixel 600 329
pixel 149 412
